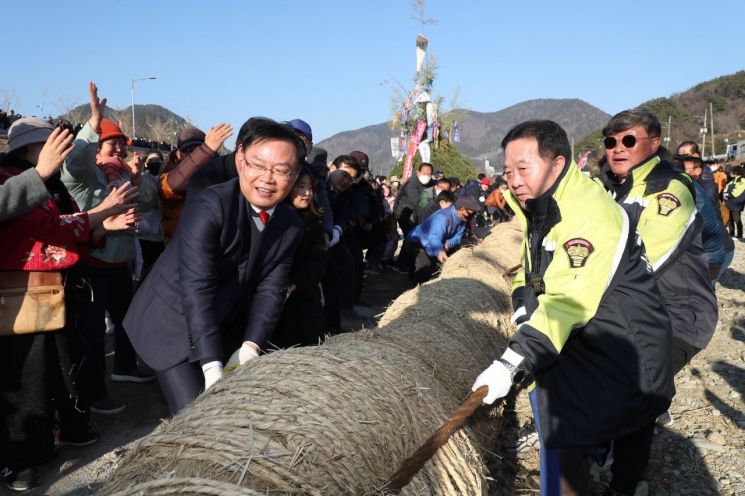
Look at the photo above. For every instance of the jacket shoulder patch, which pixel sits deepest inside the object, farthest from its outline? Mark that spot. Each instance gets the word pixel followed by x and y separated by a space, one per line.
pixel 666 203
pixel 578 249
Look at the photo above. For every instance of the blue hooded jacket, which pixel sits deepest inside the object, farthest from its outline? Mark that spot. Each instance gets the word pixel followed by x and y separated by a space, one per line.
pixel 443 226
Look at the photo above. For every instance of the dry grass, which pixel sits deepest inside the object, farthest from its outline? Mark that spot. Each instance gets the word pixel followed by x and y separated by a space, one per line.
pixel 340 418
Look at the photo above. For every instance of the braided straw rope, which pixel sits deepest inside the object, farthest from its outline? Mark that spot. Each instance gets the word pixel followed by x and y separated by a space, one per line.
pixel 340 418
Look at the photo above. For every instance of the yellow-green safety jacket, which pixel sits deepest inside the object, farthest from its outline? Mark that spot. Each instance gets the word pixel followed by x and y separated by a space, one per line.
pixel 661 201
pixel 592 327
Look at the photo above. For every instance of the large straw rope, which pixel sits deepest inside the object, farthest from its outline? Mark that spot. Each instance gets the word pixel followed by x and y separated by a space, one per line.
pixel 340 418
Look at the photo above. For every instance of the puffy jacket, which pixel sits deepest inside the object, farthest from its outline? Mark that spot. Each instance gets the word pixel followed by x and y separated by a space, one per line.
pixel 443 226
pixel 662 203
pixel 592 326
pixel 172 184
pixel 88 186
pixel 711 227
pixel 407 201
pixel 495 199
pixel 734 194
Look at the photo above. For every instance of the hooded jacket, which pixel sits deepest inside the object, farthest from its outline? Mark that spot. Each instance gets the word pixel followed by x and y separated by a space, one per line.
pixel 593 329
pixel 662 203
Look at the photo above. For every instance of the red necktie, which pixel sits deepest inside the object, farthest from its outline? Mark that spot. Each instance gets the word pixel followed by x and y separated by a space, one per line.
pixel 264 216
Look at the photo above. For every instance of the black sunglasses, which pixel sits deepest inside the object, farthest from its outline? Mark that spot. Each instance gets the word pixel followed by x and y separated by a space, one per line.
pixel 629 141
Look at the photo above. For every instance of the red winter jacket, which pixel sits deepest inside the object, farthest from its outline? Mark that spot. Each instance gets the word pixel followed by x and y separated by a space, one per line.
pixel 42 239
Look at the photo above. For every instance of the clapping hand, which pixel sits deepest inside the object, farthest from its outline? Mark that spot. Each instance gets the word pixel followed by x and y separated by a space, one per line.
pixel 126 221
pixel 135 166
pixel 121 199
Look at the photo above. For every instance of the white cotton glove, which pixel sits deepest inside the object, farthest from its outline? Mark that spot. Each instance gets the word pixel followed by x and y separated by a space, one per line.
pixel 498 376
pixel 212 373
pixel 335 236
pixel 240 356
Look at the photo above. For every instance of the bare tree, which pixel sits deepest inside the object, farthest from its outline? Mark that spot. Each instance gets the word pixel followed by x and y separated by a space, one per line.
pixel 8 98
pixel 159 129
pixel 72 110
pixel 419 7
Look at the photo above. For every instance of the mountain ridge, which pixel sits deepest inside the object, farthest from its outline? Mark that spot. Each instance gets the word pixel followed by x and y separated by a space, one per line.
pixel 481 132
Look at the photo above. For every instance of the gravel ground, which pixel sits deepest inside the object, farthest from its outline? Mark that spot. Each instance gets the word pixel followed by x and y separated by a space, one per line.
pixel 703 451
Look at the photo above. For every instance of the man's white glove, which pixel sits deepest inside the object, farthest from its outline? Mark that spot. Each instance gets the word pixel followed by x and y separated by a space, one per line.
pixel 498 376
pixel 212 373
pixel 240 356
pixel 335 236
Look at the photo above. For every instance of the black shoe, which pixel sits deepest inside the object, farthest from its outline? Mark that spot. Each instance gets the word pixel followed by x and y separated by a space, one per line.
pixel 85 439
pixel 107 406
pixel 20 481
pixel 135 375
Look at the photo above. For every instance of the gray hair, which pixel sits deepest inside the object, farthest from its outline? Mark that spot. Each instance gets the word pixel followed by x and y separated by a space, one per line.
pixel 636 117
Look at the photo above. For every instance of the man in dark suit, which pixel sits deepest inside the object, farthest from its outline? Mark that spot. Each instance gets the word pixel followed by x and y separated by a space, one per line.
pixel 221 283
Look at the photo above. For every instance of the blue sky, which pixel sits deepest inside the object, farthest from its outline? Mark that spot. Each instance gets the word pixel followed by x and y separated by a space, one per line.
pixel 327 62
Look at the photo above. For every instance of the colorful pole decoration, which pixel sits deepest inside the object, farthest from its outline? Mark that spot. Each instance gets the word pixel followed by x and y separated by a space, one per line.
pixel 419 124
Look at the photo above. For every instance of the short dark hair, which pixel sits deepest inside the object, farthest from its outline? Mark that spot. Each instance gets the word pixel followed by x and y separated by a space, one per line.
pixel 692 144
pixel 446 195
pixel 347 160
pixel 258 129
pixel 551 137
pixel 637 117
pixel 444 180
pixel 425 164
pixel 154 151
pixel 481 176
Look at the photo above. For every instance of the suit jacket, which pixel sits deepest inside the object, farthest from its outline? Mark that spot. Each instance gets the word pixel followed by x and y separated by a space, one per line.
pixel 218 273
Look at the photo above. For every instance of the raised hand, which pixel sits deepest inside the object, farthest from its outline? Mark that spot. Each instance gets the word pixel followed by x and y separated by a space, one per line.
pixel 217 135
pixel 135 166
pixel 54 153
pixel 97 106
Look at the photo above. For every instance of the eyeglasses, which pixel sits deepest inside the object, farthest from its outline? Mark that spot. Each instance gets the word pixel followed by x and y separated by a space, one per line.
pixel 280 173
pixel 629 141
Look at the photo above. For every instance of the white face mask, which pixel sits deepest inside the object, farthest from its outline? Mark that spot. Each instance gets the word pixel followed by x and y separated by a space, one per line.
pixel 424 179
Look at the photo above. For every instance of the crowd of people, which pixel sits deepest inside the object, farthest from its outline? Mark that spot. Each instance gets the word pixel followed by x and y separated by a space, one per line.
pixel 8 118
pixel 200 262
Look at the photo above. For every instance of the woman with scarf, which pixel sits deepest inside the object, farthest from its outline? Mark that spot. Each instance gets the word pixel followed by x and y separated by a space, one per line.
pixel 43 373
pixel 96 166
pixel 302 318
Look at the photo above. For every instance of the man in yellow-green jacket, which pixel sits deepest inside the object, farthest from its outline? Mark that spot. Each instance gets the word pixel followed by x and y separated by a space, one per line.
pixel 592 330
pixel 662 202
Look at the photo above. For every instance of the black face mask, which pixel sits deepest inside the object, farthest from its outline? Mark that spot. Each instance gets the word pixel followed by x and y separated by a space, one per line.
pixel 153 167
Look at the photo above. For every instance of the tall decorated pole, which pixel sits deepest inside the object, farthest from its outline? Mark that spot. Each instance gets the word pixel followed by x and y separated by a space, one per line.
pixel 411 110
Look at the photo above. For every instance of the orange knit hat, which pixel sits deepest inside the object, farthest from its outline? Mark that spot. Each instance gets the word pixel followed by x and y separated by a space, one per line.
pixel 110 129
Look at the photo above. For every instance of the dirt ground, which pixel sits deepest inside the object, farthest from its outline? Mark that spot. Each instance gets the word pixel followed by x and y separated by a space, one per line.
pixel 701 453
pixel 78 471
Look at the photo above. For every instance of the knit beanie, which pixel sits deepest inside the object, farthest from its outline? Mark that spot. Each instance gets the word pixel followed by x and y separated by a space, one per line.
pixel 110 129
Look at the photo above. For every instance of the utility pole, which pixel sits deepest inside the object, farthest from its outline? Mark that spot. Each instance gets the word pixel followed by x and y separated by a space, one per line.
pixel 669 124
pixel 133 81
pixel 711 120
pixel 703 132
